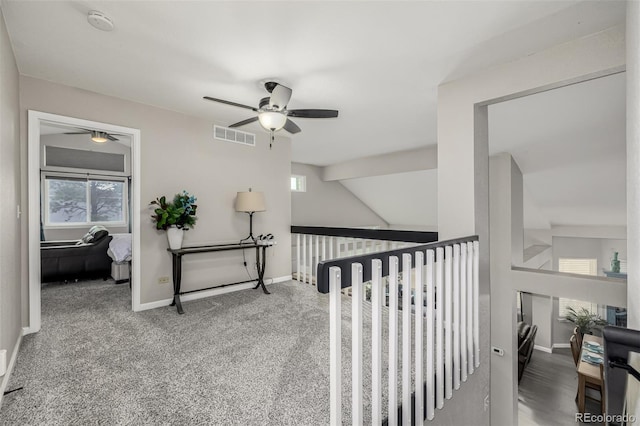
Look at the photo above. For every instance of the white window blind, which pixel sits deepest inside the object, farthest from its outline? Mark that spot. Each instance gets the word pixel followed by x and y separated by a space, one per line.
pixel 577 266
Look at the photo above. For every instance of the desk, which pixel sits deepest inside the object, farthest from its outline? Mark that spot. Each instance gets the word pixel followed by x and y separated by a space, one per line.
pixel 177 266
pixel 587 373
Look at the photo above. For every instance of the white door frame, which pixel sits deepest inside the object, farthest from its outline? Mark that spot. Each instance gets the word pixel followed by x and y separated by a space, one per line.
pixel 36 118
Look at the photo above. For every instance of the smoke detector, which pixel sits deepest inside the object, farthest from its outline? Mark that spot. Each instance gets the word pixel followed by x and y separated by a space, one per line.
pixel 100 21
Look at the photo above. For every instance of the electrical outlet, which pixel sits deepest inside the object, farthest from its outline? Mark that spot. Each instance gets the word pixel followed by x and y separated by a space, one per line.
pixel 163 280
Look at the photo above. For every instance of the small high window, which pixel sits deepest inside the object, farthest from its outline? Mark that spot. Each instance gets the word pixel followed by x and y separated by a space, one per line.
pixel 298 183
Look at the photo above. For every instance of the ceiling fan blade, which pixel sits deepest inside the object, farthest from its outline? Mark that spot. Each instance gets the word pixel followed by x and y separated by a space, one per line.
pixel 111 138
pixel 291 127
pixel 313 113
pixel 244 122
pixel 280 96
pixel 77 133
pixel 222 101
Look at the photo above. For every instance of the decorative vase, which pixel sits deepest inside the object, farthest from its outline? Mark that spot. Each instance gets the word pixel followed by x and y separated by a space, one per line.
pixel 175 236
pixel 615 263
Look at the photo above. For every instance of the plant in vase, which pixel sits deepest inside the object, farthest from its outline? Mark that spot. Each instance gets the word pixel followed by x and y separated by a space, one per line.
pixel 584 320
pixel 175 216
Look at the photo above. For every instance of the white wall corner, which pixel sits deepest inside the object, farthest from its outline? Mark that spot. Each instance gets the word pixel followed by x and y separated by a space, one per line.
pixel 5 379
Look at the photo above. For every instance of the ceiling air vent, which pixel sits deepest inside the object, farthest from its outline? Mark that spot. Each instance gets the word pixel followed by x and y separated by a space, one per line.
pixel 233 135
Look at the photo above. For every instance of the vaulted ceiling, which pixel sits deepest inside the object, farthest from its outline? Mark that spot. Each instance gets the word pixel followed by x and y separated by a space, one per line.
pixel 379 63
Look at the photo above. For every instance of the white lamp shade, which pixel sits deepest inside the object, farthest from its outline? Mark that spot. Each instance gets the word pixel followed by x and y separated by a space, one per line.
pixel 272 120
pixel 250 202
pixel 99 137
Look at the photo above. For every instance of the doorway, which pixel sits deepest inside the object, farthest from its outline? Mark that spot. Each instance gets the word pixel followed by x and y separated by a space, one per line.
pixel 40 124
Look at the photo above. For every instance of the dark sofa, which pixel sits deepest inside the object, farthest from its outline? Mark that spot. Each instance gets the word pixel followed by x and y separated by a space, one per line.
pixel 66 260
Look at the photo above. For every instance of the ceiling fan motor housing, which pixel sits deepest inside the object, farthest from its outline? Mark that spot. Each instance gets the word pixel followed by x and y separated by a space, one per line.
pixel 264 103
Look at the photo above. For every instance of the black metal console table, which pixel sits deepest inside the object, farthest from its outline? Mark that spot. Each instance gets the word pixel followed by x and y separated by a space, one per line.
pixel 177 267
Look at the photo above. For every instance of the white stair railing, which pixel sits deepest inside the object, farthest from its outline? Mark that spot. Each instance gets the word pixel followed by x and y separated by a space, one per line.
pixel 439 309
pixel 316 244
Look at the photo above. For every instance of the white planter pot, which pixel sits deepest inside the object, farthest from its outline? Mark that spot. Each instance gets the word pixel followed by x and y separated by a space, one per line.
pixel 175 236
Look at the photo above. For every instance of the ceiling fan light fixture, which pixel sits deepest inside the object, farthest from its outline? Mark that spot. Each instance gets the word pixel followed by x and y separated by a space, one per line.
pixel 99 137
pixel 272 120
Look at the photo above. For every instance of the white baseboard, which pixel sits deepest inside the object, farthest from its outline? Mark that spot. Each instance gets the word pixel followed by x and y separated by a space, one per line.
pixel 12 362
pixel 561 346
pixel 542 348
pixel 28 330
pixel 211 292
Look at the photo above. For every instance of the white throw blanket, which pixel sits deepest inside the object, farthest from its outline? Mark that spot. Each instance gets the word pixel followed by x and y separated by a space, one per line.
pixel 120 248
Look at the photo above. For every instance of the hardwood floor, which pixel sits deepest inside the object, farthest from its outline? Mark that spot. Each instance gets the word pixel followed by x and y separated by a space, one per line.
pixel 548 389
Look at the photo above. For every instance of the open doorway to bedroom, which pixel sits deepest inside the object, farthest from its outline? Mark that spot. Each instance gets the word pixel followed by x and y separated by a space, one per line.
pixel 83 226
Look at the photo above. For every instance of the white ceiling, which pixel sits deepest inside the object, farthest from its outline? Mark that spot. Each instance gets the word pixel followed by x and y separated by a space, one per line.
pixel 570 144
pixel 379 63
pixel 387 196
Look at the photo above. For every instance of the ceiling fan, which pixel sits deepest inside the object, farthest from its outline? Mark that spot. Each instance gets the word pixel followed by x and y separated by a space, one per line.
pixel 273 114
pixel 96 135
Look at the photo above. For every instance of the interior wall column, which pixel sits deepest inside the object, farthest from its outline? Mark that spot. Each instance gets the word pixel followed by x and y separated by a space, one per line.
pixel 633 163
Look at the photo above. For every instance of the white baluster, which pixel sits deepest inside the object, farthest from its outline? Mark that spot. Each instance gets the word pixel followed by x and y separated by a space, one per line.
pixel 406 338
pixel 448 376
pixel 376 341
pixel 456 316
pixel 439 298
pixel 430 347
pixel 298 258
pixel 331 243
pixel 419 318
pixel 324 247
pixel 356 342
pixel 304 259
pixel 476 301
pixel 463 312
pixel 335 351
pixel 317 260
pixel 470 354
pixel 310 248
pixel 393 340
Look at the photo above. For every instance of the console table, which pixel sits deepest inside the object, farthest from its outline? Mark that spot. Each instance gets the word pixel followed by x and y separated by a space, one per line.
pixel 177 266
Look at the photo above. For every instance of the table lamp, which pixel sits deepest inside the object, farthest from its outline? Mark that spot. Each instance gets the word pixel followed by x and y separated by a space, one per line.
pixel 250 202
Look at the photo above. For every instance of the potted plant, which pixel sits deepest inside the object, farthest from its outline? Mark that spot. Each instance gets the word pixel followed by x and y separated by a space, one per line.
pixel 584 320
pixel 175 216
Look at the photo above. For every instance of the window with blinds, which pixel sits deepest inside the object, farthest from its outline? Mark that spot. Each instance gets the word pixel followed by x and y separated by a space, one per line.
pixel 577 266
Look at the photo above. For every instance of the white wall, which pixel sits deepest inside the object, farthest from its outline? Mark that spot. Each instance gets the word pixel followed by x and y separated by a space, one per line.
pixel 328 203
pixel 10 243
pixel 406 200
pixel 463 170
pixel 542 316
pixel 505 202
pixel 178 152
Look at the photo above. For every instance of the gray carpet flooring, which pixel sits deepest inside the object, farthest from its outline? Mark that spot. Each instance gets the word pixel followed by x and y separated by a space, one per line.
pixel 239 358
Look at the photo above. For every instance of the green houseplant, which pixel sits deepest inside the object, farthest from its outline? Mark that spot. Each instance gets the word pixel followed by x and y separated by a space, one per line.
pixel 175 216
pixel 181 212
pixel 584 320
